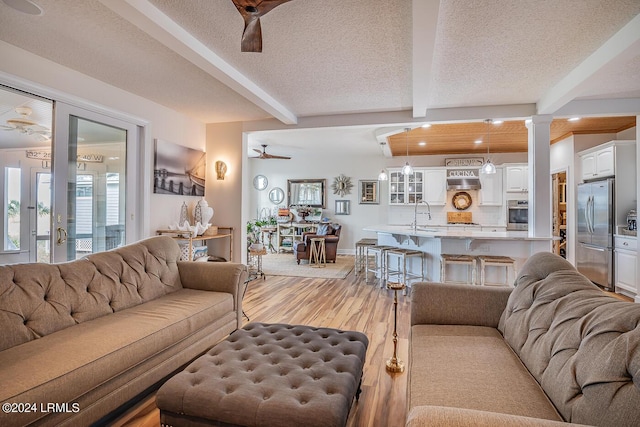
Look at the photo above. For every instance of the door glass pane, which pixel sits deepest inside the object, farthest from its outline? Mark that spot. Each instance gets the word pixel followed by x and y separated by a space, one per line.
pixel 96 187
pixel 43 217
pixel 12 218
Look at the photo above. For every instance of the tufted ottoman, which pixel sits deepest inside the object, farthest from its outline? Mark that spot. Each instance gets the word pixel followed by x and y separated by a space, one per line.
pixel 269 375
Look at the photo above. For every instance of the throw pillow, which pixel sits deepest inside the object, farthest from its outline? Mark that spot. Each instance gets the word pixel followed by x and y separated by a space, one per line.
pixel 323 230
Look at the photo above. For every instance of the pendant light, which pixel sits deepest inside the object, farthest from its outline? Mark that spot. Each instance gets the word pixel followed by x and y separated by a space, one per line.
pixel 383 176
pixel 407 169
pixel 488 167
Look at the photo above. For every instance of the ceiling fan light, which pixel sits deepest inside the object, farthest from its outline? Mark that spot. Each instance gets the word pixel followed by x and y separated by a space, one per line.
pixel 488 168
pixel 383 176
pixel 407 169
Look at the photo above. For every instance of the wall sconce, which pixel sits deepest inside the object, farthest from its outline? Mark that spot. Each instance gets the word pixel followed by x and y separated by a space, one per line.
pixel 221 169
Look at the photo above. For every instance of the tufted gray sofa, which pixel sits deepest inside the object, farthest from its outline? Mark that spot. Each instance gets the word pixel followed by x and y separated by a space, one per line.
pixel 554 349
pixel 92 334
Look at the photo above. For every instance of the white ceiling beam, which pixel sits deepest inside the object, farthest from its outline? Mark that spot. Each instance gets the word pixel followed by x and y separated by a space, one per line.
pixel 599 107
pixel 155 23
pixel 614 52
pixel 399 118
pixel 424 25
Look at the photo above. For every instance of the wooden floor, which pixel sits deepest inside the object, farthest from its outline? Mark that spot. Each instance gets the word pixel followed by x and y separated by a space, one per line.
pixel 348 303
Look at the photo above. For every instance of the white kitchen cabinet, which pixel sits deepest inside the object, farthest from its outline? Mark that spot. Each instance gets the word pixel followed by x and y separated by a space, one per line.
pixel 435 189
pixel 626 265
pixel 405 189
pixel 598 164
pixel 517 177
pixel 491 192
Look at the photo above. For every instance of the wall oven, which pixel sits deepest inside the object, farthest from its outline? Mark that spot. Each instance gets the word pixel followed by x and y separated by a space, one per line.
pixel 517 214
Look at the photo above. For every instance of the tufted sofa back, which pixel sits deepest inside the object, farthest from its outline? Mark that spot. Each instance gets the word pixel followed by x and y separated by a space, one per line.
pixel 39 299
pixel 581 345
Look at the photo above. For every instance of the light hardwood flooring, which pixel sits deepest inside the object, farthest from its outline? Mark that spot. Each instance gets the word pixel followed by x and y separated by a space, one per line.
pixel 349 304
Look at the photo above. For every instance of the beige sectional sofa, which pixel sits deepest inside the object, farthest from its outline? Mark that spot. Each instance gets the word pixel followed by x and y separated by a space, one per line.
pixel 554 349
pixel 80 339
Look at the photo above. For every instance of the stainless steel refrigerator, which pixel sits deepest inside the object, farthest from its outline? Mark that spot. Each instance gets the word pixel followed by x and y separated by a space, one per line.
pixel 594 251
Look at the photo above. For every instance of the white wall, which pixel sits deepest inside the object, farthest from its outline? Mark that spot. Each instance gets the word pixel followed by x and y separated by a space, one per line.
pixel 162 122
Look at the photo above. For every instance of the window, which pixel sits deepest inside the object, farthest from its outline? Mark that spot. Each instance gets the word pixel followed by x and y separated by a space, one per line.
pixel 12 217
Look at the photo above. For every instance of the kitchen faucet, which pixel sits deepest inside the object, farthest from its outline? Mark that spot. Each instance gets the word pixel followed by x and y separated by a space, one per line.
pixel 415 213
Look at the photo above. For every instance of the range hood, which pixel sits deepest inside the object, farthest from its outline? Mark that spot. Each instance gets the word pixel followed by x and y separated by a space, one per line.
pixel 463 179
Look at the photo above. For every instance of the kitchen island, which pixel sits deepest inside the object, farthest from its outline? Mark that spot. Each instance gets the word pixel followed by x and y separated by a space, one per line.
pixel 434 241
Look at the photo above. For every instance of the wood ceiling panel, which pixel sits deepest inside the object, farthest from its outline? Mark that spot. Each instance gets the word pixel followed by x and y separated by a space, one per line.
pixel 506 137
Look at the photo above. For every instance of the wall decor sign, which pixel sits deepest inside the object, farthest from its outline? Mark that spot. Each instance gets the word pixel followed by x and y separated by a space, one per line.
pixel 178 170
pixel 464 162
pixel 462 173
pixel 46 155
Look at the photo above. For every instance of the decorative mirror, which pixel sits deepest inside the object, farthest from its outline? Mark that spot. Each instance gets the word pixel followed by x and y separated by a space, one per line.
pixel 369 192
pixel 307 192
pixel 341 185
pixel 260 182
pixel 343 207
pixel 276 195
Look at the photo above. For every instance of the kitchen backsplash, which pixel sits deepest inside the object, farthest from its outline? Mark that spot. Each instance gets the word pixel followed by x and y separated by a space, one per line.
pixel 483 215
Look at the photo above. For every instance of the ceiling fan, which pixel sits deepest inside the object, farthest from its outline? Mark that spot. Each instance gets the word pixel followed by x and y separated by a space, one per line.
pixel 251 11
pixel 25 125
pixel 265 155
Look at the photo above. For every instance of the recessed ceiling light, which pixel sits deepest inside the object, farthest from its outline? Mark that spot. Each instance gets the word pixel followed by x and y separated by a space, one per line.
pixel 426 125
pixel 573 119
pixel 422 143
pixel 478 141
pixel 498 122
pixel 24 6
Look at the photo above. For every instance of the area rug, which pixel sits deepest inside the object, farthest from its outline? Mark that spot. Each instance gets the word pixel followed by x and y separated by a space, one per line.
pixel 285 265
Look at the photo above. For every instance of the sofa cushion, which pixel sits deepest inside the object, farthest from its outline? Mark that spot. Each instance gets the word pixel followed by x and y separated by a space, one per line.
pixel 581 345
pixel 471 367
pixel 38 299
pixel 71 362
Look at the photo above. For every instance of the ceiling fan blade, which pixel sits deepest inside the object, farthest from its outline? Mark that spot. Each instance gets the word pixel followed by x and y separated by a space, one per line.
pixel 251 11
pixel 271 156
pixel 257 151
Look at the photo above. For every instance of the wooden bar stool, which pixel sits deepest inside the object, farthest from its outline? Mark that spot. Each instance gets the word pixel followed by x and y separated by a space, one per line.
pixel 400 272
pixel 318 254
pixel 497 261
pixel 454 259
pixel 378 267
pixel 361 254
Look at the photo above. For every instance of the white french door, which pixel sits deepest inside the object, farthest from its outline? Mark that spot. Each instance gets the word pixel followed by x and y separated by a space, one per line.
pixel 95 189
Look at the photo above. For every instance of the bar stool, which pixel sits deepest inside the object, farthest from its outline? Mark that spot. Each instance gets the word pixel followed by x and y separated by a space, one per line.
pixel 378 268
pixel 497 261
pixel 361 259
pixel 400 272
pixel 455 259
pixel 318 254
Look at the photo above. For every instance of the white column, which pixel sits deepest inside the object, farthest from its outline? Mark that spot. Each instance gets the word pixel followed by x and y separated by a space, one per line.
pixel 540 176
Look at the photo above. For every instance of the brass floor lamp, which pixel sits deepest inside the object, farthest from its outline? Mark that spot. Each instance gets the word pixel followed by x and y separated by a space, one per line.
pixel 394 364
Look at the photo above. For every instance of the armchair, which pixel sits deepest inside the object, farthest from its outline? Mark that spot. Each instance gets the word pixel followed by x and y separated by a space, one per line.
pixel 331 234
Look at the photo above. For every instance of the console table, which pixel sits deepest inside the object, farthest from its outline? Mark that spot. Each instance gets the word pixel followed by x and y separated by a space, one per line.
pixel 190 238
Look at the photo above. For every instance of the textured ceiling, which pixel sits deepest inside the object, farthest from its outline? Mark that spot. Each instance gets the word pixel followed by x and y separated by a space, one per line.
pixel 329 57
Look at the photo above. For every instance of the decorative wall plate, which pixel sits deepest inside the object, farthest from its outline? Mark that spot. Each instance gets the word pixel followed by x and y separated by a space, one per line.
pixel 461 200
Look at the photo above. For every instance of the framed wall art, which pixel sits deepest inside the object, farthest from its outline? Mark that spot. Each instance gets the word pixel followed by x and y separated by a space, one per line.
pixel 178 170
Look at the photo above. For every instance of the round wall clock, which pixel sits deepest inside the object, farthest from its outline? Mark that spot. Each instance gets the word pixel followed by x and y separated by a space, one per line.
pixel 461 200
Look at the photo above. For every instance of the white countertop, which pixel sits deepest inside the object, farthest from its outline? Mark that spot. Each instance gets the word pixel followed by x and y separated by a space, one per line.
pixel 444 233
